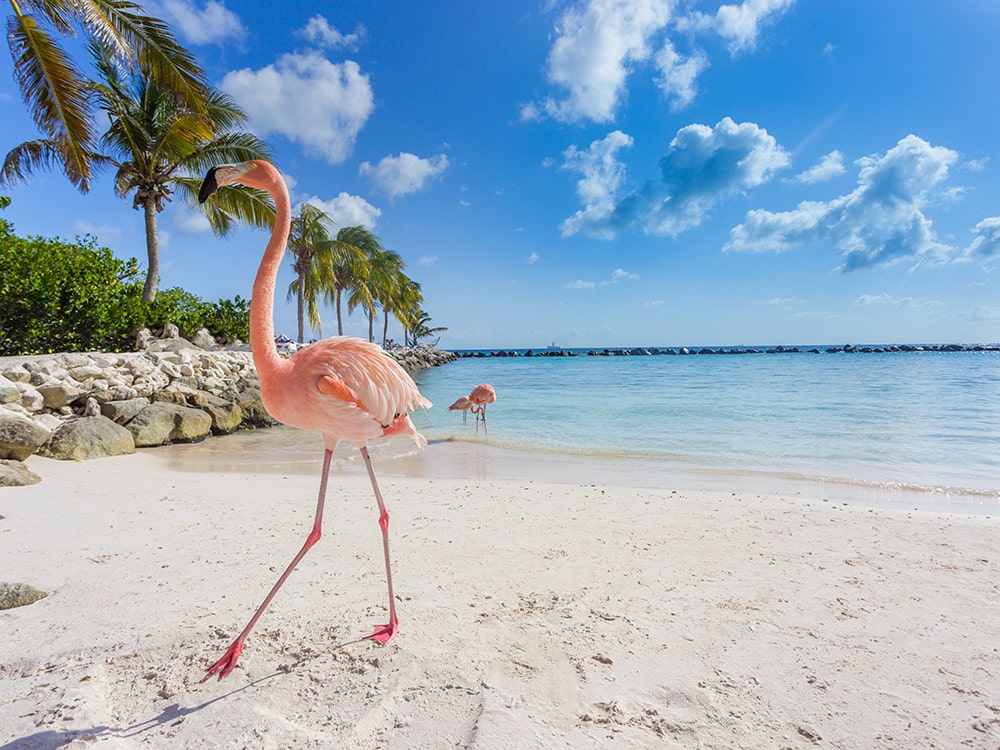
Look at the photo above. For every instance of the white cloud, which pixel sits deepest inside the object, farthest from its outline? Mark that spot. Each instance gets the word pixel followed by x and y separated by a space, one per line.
pixel 596 42
pixel 702 167
pixel 888 300
pixel 427 260
pixel 348 210
pixel 705 165
pixel 187 221
pixel 603 177
pixel 532 259
pixel 986 245
pixel 308 99
pixel 620 274
pixel 829 166
pixel 678 75
pixel 319 31
pixel 653 303
pixel 209 25
pixel 879 223
pixel 403 174
pixel 580 284
pixel 739 24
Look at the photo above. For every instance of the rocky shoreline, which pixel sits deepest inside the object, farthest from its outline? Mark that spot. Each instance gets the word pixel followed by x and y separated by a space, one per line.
pixel 727 350
pixel 78 406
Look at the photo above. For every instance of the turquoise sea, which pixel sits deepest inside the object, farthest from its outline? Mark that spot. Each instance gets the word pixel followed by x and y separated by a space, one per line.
pixel 905 430
pixel 922 422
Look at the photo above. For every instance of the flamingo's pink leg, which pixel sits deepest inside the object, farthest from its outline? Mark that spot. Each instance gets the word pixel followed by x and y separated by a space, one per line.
pixel 227 663
pixel 383 633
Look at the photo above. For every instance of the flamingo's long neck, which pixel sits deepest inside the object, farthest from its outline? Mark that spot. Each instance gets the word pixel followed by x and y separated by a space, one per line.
pixel 265 355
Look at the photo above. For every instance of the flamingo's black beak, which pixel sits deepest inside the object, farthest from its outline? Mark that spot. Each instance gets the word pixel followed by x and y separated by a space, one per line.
pixel 208 186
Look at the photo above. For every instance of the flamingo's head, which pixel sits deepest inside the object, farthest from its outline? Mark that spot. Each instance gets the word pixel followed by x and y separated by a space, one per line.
pixel 226 174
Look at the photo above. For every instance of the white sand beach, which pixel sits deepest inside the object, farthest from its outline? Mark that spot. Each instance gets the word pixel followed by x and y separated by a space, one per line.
pixel 534 614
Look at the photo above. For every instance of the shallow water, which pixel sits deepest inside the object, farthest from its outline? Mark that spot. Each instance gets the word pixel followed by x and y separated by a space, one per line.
pixel 903 430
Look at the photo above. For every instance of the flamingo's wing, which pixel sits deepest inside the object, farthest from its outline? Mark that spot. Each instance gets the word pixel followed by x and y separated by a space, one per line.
pixel 461 404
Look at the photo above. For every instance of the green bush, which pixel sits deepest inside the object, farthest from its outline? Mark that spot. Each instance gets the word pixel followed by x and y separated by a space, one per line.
pixel 57 296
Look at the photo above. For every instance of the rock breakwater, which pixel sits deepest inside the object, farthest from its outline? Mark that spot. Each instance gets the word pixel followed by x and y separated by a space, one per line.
pixel 87 405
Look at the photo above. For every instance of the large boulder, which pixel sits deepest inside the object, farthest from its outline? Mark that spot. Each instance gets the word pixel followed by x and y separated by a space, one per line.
pixel 226 415
pixel 122 411
pixel 19 436
pixel 18 595
pixel 59 394
pixel 88 437
pixel 16 474
pixel 162 422
pixel 252 408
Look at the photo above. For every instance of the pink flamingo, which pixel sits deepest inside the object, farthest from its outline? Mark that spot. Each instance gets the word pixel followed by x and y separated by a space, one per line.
pixel 463 405
pixel 344 388
pixel 481 395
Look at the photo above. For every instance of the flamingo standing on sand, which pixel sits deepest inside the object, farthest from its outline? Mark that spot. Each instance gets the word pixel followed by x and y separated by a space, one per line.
pixel 344 388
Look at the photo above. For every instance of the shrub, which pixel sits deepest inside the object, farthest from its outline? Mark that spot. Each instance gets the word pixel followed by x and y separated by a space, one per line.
pixel 57 296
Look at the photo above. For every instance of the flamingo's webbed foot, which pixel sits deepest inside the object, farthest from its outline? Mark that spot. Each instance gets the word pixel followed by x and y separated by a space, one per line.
pixel 383 633
pixel 227 663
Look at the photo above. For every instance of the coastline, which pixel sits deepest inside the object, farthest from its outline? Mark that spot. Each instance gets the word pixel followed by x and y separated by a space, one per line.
pixel 534 613
pixel 283 450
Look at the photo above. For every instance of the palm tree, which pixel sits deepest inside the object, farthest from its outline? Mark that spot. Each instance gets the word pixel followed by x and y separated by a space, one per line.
pixel 158 145
pixel 311 248
pixel 387 280
pixel 350 265
pixel 421 329
pixel 56 91
pixel 405 306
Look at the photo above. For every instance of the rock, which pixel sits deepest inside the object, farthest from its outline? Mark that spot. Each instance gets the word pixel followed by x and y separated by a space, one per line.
pixel 203 339
pixel 122 411
pixel 161 423
pixel 19 436
pixel 16 373
pixel 58 394
pixel 16 474
pixel 142 338
pixel 171 331
pixel 9 392
pixel 88 437
pixel 49 422
pixel 172 344
pixel 254 413
pixel 226 416
pixel 170 397
pixel 18 595
pixel 31 399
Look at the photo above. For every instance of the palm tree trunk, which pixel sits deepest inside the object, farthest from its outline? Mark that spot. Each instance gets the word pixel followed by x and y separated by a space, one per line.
pixel 300 303
pixel 152 250
pixel 385 327
pixel 371 325
pixel 340 320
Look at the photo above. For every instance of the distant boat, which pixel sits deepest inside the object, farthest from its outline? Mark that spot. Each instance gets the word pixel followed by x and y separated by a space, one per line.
pixel 553 348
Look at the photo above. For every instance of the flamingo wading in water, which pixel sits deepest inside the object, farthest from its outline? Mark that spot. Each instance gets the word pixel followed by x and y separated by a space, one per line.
pixel 481 395
pixel 344 388
pixel 463 405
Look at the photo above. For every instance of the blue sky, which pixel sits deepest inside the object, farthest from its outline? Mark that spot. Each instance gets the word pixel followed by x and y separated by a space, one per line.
pixel 609 172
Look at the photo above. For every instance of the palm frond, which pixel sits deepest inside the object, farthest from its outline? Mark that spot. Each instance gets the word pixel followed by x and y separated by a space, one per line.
pixel 55 93
pixel 124 27
pixel 230 205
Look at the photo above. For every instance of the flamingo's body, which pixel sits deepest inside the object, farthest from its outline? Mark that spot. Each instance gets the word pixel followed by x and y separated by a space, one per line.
pixel 476 402
pixel 344 388
pixel 463 405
